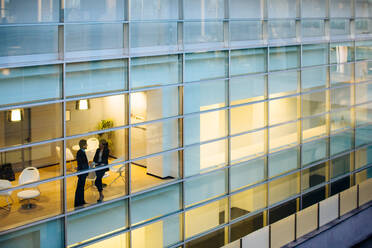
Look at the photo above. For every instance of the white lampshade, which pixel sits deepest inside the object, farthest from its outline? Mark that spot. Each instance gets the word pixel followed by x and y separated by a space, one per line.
pixel 82 104
pixel 15 115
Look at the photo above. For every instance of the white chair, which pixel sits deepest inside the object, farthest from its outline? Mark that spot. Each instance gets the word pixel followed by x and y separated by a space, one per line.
pixel 5 184
pixel 69 156
pixel 29 175
pixel 91 178
pixel 118 169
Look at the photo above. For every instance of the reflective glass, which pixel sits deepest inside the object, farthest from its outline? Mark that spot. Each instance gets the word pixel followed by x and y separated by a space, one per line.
pixel 153 10
pixel 314 176
pixel 243 32
pixel 313 103
pixel 341 74
pixel 210 65
pixel 154 204
pixel 247 89
pixel 282 9
pixel 340 27
pixel 363 157
pixel 94 10
pixel 282 110
pixel 341 52
pixel 86 78
pixel 363 26
pixel 341 142
pixel 205 187
pixel 363 71
pixel 155 71
pixel 283 136
pixel 248 61
pixel 313 8
pixel 340 120
pixel 312 78
pixel 196 33
pixel 247 173
pixel 363 93
pixel 363 50
pixel 282 29
pixel 153 36
pixel 204 96
pixel 340 98
pixel 340 166
pixel 314 127
pixel 363 8
pixel 282 162
pixel 340 8
pixel 283 83
pixel 313 151
pixel 314 54
pixel 312 28
pixel 282 58
pixel 20 85
pixel 245 9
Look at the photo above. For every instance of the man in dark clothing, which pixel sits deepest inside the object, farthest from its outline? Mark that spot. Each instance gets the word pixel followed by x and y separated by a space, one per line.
pixel 83 164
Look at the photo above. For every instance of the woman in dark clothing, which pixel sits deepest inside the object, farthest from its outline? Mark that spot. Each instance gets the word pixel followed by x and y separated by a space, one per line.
pixel 101 159
pixel 83 164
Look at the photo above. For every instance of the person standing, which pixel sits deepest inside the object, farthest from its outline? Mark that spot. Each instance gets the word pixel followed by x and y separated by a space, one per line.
pixel 82 164
pixel 101 159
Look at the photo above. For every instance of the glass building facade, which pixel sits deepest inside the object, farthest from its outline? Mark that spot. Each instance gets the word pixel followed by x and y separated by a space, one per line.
pixel 222 116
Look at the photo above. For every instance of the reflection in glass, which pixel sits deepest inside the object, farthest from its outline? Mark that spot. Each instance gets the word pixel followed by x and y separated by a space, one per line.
pixel 314 176
pixel 282 162
pixel 283 83
pixel 282 58
pixel 313 103
pixel 247 89
pixel 314 127
pixel 341 74
pixel 312 28
pixel 197 33
pixel 313 151
pixel 248 61
pixel 314 54
pixel 247 118
pixel 154 10
pixel 283 136
pixel 341 52
pixel 283 188
pixel 314 78
pixel 247 146
pixel 341 142
pixel 247 173
pixel 242 32
pixel 282 29
pixel 340 166
pixel 282 110
pixel 340 98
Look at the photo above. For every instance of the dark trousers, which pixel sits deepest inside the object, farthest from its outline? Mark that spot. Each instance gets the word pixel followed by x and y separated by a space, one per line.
pixel 98 182
pixel 79 193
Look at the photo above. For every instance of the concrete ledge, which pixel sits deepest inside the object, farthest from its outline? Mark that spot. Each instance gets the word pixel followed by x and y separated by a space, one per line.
pixel 352 228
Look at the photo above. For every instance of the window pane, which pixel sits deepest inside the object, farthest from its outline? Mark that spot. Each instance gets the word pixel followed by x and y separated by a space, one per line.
pixel 247 117
pixel 282 58
pixel 282 211
pixel 363 93
pixel 363 50
pixel 154 171
pixel 313 78
pixel 313 103
pixel 248 201
pixel 154 104
pixel 363 114
pixel 155 71
pixel 340 120
pixel 167 232
pixel 363 71
pixel 196 33
pixel 363 157
pixel 313 28
pixel 340 98
pixel 19 85
pixel 341 142
pixel 282 162
pixel 314 54
pixel 118 241
pixel 282 29
pixel 96 10
pixel 216 238
pixel 340 27
pixel 245 227
pixel 205 187
pixel 37 42
pixel 26 125
pixel 341 74
pixel 82 227
pixel 204 218
pixel 247 146
pixel 283 136
pixel 47 158
pixel 282 9
pixel 36 236
pixel 283 83
pixel 363 135
pixel 247 89
pixel 363 26
pixel 247 173
pixel 30 11
pixel 248 61
pixel 95 77
pixel 282 110
pixel 283 188
pixel 154 10
pixel 204 127
pixel 313 8
pixel 153 36
pixel 313 176
pixel 245 9
pixel 155 204
pixel 341 52
pixel 340 166
pixel 101 113
pixel 201 9
pixel 205 157
pixel 94 39
pixel 46 202
pixel 313 151
pixel 204 96
pixel 153 138
pixel 340 8
pixel 244 32
pixel 199 66
pixel 314 127
pixel 363 8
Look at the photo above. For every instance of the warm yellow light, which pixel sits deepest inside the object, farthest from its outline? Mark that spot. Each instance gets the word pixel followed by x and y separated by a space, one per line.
pixel 15 115
pixel 83 104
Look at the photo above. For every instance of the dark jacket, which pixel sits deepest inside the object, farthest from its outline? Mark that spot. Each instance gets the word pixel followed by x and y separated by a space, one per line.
pixel 105 156
pixel 82 160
